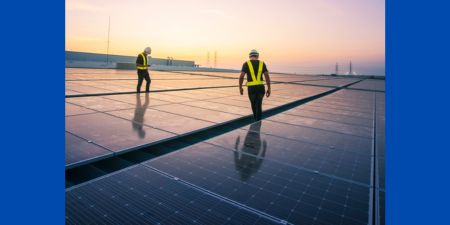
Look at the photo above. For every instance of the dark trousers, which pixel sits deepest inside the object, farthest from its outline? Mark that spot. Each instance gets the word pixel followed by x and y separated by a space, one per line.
pixel 143 74
pixel 256 94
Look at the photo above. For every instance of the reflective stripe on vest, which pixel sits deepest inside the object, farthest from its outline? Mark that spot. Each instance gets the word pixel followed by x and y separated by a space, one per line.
pixel 145 63
pixel 256 80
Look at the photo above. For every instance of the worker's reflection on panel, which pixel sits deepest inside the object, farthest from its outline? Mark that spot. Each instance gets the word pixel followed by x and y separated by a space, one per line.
pixel 249 157
pixel 139 112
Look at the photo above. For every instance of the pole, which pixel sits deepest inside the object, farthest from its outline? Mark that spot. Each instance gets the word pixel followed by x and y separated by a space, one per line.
pixel 215 59
pixel 107 46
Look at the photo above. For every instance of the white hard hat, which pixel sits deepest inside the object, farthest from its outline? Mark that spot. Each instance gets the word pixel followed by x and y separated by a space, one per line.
pixel 148 50
pixel 253 52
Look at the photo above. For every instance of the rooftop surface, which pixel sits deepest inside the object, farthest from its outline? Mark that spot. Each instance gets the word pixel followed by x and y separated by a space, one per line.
pixel 189 153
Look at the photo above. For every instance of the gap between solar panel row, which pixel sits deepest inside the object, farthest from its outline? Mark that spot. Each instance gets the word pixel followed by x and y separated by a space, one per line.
pixel 273 79
pixel 188 137
pixel 197 88
pixel 133 92
pixel 377 207
pixel 133 79
pixel 330 86
pixel 159 90
pixel 375 189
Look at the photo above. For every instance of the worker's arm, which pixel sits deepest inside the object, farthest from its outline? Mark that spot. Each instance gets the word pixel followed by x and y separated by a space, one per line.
pixel 241 81
pixel 266 76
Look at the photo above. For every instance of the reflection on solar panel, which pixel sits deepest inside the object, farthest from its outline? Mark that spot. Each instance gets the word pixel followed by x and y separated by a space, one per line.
pixel 321 162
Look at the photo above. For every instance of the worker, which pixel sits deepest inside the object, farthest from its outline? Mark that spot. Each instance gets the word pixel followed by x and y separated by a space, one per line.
pixel 142 66
pixel 254 68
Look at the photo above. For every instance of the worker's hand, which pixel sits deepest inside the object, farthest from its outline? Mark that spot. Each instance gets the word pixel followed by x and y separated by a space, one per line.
pixel 241 90
pixel 268 92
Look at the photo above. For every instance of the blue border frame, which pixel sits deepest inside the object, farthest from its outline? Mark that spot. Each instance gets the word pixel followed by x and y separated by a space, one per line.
pixel 32 132
pixel 417 151
pixel 32 169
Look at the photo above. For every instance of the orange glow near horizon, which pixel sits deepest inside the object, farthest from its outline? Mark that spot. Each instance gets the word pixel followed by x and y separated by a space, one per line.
pixel 291 35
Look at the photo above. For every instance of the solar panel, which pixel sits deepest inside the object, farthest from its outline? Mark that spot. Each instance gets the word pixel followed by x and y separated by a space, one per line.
pixel 80 150
pixel 297 196
pixel 361 131
pixel 141 196
pixel 113 133
pixel 198 113
pixel 303 112
pixel 221 107
pixel 163 120
pixel 331 82
pixel 134 99
pixel 99 103
pixel 377 85
pixel 319 137
pixel 72 109
pixel 337 163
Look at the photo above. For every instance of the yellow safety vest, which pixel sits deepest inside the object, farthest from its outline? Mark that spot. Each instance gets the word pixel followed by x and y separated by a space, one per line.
pixel 145 63
pixel 256 80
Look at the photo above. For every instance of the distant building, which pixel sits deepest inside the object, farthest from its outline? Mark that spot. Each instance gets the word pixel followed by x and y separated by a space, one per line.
pixel 96 60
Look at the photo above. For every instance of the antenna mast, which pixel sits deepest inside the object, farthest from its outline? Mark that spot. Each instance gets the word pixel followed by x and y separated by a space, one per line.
pixel 215 59
pixel 107 46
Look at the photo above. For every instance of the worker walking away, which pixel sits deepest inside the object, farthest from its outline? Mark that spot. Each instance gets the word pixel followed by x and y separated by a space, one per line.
pixel 254 68
pixel 142 66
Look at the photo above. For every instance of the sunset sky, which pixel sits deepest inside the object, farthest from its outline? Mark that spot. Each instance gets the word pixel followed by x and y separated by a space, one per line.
pixel 303 36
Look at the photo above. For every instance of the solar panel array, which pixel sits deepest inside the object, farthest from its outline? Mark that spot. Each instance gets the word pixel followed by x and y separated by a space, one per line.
pixel 312 164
